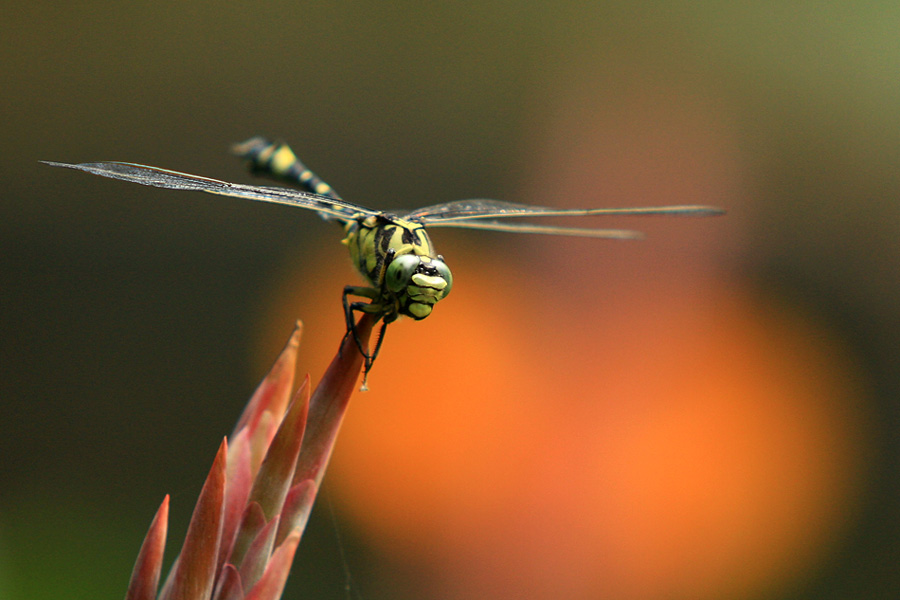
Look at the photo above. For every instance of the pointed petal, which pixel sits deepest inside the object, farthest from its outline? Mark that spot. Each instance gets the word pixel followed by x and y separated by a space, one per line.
pixel 237 490
pixel 274 477
pixel 170 579
pixel 252 523
pixel 271 584
pixel 145 576
pixel 328 404
pixel 257 557
pixel 229 586
pixel 266 426
pixel 297 506
pixel 195 571
pixel 274 390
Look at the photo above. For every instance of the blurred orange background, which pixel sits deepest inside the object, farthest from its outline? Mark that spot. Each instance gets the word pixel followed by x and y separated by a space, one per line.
pixel 707 413
pixel 590 421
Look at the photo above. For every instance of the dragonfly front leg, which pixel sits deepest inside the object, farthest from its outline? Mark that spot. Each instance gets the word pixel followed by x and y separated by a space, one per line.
pixel 374 308
pixel 370 359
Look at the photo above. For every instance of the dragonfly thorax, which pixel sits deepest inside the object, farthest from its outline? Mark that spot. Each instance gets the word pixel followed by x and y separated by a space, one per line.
pixel 397 259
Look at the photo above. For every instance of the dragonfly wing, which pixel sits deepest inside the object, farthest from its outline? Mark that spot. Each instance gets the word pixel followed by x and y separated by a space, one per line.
pixel 164 178
pixel 616 234
pixel 466 210
pixel 475 208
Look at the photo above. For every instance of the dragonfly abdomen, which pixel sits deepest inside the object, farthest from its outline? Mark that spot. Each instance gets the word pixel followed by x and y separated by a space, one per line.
pixel 278 160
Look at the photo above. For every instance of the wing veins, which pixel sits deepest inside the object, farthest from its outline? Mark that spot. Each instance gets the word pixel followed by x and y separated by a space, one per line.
pixel 176 180
pixel 468 210
pixel 615 234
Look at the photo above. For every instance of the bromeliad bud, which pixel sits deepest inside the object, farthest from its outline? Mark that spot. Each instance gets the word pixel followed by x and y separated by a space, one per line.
pixel 257 497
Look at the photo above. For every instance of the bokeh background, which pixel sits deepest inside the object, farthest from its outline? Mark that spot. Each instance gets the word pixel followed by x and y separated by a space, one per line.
pixel 709 413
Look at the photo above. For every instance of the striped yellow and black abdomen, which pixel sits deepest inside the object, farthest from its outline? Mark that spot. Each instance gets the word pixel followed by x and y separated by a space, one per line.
pixel 277 160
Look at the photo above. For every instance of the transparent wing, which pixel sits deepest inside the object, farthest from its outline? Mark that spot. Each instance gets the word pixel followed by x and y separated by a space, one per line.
pixel 163 178
pixel 463 211
pixel 616 234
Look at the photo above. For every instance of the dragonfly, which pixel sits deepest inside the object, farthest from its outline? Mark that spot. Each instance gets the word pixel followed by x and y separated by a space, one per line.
pixel 392 250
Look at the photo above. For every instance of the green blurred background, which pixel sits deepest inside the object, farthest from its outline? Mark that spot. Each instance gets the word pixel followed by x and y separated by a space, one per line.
pixel 130 316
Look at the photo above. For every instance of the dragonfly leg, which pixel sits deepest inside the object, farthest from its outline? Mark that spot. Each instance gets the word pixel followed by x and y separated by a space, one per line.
pixel 370 359
pixel 363 307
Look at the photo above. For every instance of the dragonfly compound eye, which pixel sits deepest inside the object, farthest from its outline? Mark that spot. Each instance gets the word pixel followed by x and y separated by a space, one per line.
pixel 443 272
pixel 400 271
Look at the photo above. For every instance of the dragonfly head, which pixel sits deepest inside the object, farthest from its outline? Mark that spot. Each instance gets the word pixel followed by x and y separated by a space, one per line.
pixel 418 282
